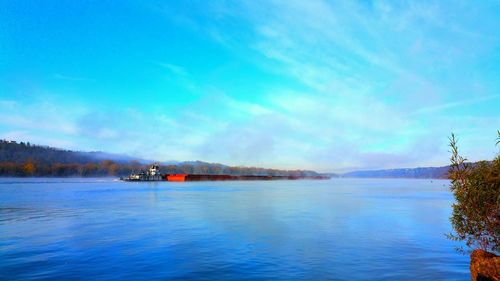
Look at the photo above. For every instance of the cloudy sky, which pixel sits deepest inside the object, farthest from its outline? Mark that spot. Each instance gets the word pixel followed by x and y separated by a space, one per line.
pixel 325 85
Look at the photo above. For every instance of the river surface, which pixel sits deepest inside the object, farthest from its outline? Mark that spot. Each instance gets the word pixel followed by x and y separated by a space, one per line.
pixel 339 229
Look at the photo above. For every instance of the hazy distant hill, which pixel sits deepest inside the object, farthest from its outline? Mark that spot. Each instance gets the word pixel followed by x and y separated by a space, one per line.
pixel 331 175
pixel 420 173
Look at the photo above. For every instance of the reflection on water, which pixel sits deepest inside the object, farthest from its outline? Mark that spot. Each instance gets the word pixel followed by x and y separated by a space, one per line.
pixel 341 229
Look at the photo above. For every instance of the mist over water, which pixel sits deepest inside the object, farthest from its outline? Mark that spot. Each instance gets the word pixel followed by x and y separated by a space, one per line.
pixel 339 229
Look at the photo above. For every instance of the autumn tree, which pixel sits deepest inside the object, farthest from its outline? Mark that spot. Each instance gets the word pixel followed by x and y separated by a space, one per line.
pixel 29 168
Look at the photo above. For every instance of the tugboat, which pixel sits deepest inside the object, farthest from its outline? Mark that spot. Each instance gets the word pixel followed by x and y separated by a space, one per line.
pixel 152 174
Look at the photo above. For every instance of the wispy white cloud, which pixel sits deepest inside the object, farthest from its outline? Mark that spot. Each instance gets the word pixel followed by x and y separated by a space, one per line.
pixel 8 104
pixel 39 114
pixel 451 105
pixel 60 76
pixel 175 69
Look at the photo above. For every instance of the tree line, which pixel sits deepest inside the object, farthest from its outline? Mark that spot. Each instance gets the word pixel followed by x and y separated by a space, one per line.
pixel 111 168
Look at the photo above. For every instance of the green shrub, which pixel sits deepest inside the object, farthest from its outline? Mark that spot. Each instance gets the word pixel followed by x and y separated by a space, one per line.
pixel 476 212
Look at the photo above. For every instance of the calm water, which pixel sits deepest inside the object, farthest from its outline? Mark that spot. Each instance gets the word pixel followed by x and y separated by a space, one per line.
pixel 341 229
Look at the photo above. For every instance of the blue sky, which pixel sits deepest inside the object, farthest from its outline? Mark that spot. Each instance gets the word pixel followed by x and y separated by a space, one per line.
pixel 325 85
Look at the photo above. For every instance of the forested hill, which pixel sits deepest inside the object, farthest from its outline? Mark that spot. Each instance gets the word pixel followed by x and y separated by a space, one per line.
pixel 25 159
pixel 13 152
pixel 21 152
pixel 422 173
